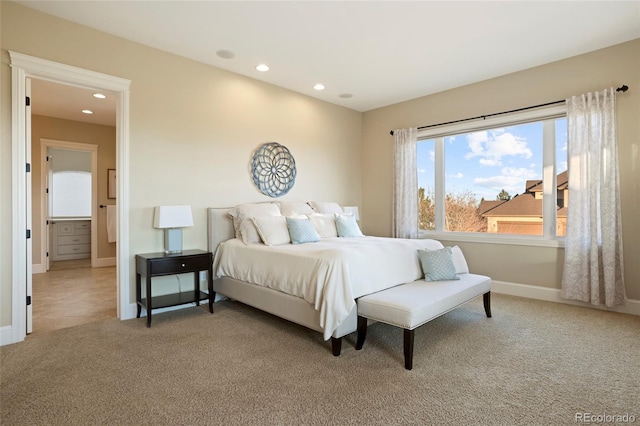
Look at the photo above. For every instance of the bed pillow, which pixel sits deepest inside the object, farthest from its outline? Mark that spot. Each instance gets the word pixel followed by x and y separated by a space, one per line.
pixel 249 233
pixel 293 208
pixel 325 224
pixel 326 207
pixel 272 229
pixel 437 265
pixel 459 261
pixel 347 226
pixel 244 212
pixel 302 231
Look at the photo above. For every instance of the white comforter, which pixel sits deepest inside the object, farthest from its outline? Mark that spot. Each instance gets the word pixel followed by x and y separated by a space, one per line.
pixel 329 274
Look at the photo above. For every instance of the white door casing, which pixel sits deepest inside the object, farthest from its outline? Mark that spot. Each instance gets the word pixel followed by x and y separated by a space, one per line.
pixel 24 67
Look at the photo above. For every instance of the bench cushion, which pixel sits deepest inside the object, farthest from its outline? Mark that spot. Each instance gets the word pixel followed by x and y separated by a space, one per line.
pixel 413 304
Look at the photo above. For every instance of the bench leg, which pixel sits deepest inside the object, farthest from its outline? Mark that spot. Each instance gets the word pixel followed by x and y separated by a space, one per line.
pixel 336 345
pixel 362 332
pixel 487 303
pixel 408 349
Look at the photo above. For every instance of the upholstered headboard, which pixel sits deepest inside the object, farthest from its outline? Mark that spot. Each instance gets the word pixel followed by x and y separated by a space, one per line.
pixel 219 227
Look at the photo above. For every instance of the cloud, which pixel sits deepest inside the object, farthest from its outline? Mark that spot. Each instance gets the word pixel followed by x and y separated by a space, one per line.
pixel 511 179
pixel 432 155
pixel 422 170
pixel 492 145
pixel 458 175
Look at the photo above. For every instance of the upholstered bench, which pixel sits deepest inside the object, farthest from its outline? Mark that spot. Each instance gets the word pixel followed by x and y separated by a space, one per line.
pixel 411 305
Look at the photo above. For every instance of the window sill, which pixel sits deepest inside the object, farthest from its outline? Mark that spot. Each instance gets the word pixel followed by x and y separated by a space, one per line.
pixel 518 240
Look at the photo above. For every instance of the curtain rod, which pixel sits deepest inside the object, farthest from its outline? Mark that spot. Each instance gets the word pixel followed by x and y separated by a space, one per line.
pixel 622 88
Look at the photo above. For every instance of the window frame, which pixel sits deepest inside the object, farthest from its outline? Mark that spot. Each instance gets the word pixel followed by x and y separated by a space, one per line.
pixel 547 116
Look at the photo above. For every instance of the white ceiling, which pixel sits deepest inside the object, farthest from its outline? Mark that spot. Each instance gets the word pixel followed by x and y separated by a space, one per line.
pixel 56 100
pixel 381 52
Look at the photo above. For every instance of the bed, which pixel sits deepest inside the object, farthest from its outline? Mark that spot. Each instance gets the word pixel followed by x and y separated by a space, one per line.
pixel 314 285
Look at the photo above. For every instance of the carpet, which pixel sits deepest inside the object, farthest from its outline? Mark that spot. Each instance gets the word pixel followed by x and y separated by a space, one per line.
pixel 533 363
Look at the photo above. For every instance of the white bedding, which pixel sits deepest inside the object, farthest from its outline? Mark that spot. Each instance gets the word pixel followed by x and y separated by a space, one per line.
pixel 329 274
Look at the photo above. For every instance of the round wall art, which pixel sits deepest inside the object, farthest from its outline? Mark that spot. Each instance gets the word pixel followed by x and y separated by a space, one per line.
pixel 273 169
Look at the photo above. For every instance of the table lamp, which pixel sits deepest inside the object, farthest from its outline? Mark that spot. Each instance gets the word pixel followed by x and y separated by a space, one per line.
pixel 172 219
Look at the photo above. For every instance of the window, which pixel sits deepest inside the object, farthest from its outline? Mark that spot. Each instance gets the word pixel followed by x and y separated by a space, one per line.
pixel 71 194
pixel 507 175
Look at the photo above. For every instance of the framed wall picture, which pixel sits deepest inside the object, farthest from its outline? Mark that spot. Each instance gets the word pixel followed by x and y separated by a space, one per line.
pixel 111 183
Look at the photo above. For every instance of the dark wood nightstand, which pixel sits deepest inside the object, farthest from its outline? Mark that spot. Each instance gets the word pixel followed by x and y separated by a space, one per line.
pixel 158 264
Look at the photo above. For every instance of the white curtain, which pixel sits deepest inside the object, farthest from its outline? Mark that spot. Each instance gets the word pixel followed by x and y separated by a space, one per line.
pixel 405 186
pixel 593 268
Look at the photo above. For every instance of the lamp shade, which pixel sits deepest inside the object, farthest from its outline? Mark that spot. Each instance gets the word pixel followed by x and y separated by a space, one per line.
pixel 172 217
pixel 352 210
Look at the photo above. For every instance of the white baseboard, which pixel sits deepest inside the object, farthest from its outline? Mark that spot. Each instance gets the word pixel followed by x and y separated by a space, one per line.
pixel 105 261
pixel 38 268
pixel 553 295
pixel 6 335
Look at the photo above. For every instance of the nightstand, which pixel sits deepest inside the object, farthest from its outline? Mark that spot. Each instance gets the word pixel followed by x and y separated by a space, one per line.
pixel 158 264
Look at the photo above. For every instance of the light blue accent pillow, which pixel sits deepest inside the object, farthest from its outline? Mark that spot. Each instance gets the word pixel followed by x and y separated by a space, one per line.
pixel 302 231
pixel 347 226
pixel 438 265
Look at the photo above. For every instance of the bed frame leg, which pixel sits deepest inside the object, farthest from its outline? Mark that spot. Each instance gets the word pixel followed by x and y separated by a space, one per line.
pixel 362 332
pixel 408 349
pixel 486 298
pixel 336 345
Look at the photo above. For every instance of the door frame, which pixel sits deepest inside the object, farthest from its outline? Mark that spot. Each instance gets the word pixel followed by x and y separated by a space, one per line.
pixel 24 67
pixel 45 144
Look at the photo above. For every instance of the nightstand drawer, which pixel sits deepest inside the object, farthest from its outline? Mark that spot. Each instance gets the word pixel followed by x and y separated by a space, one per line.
pixel 175 266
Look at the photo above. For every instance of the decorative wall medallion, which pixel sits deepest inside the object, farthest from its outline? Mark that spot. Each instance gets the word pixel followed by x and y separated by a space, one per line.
pixel 273 169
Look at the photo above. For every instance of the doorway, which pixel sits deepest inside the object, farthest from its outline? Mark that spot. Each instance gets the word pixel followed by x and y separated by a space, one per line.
pixel 67 290
pixel 24 68
pixel 68 197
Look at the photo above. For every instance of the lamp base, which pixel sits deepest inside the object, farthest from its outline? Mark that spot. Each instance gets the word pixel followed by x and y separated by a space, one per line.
pixel 173 240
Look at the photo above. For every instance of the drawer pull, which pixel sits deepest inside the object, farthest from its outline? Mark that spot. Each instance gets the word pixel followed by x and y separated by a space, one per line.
pixel 183 265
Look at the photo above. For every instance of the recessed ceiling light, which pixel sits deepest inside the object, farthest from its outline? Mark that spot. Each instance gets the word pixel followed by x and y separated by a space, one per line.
pixel 226 54
pixel 319 86
pixel 345 95
pixel 87 111
pixel 99 95
pixel 262 68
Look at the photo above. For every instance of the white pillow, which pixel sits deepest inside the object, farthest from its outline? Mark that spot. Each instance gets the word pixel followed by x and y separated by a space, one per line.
pixel 243 212
pixel 325 225
pixel 293 208
pixel 272 229
pixel 249 233
pixel 326 208
pixel 459 261
pixel 347 226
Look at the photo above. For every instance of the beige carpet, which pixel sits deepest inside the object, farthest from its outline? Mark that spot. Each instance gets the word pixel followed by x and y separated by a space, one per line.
pixel 533 363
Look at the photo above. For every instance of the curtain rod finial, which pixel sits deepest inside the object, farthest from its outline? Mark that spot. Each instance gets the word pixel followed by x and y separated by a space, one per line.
pixel 391 133
pixel 623 88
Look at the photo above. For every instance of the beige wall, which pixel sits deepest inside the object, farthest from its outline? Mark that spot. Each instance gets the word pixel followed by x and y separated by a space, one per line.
pixel 597 70
pixel 193 129
pixel 73 131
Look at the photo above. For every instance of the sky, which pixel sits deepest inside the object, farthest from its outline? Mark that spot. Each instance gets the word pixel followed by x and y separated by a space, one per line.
pixel 488 161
